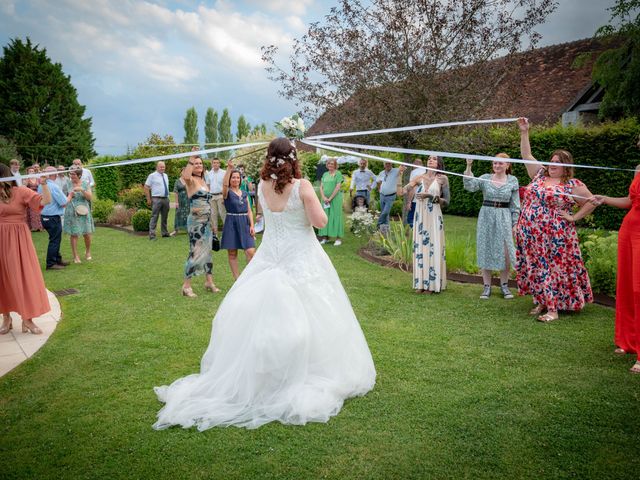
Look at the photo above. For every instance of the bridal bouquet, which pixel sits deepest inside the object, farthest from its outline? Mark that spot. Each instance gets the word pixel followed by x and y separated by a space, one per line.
pixel 363 223
pixel 292 127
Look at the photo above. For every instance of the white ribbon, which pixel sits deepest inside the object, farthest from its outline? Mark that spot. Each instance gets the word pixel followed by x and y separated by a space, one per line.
pixel 410 128
pixel 397 162
pixel 157 158
pixel 463 155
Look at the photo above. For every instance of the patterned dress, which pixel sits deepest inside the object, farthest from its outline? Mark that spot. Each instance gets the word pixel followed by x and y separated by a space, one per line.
pixel 199 228
pixel 182 212
pixel 335 221
pixel 549 263
pixel 33 216
pixel 75 224
pixel 495 224
pixel 429 262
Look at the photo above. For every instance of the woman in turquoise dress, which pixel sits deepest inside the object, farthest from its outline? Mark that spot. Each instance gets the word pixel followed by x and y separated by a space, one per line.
pixel 331 196
pixel 498 215
pixel 199 260
pixel 182 205
pixel 77 214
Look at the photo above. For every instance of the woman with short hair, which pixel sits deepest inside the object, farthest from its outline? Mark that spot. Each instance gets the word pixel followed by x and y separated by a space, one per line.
pixel 77 214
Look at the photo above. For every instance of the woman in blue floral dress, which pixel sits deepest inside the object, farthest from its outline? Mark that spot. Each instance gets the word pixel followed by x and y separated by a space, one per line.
pixel 497 217
pixel 77 214
pixel 199 260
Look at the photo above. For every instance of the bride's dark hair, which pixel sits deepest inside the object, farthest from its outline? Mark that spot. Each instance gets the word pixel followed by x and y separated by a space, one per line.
pixel 281 163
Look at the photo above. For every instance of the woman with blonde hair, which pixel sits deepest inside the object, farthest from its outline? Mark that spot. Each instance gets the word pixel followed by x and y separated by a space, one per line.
pixel 331 195
pixel 549 262
pixel 77 214
pixel 496 220
pixel 286 345
pixel 22 287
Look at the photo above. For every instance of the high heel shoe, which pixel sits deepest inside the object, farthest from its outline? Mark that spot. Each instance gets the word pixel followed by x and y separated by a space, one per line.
pixel 5 328
pixel 188 292
pixel 33 328
pixel 77 260
pixel 211 287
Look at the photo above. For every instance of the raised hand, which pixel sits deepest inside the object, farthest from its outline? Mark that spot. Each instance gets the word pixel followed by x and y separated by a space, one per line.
pixel 523 124
pixel 469 162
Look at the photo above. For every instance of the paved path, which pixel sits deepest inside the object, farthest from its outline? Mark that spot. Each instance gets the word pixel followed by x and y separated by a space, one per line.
pixel 16 347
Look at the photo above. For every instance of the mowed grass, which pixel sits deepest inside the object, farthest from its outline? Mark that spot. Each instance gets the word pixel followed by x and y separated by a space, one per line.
pixel 465 388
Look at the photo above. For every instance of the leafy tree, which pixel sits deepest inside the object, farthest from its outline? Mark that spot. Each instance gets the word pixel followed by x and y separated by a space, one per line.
pixel 243 127
pixel 8 151
pixel 39 109
pixel 224 132
pixel 211 127
pixel 263 128
pixel 617 70
pixel 191 126
pixel 387 63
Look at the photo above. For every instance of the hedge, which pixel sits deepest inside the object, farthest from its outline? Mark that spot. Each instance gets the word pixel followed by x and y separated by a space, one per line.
pixel 609 144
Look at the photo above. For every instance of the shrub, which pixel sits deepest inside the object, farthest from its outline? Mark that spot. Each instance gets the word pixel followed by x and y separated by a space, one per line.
pixel 309 164
pixel 601 253
pixel 133 197
pixel 396 208
pixel 461 254
pixel 101 209
pixel 121 215
pixel 108 182
pixel 140 220
pixel 398 242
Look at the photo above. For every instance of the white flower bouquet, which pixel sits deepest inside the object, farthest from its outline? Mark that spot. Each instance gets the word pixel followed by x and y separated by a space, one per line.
pixel 292 127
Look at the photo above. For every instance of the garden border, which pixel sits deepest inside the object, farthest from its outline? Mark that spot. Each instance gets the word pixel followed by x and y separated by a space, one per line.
pixel 363 252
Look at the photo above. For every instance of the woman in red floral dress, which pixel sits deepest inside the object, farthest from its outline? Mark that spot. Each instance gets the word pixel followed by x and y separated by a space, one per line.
pixel 549 264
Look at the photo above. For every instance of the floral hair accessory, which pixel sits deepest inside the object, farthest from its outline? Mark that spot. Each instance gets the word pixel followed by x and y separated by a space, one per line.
pixel 292 127
pixel 274 176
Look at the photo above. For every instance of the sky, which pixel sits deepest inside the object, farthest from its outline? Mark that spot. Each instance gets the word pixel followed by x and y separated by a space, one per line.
pixel 139 65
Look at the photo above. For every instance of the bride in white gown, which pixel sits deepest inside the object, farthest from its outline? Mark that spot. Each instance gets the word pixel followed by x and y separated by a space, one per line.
pixel 285 343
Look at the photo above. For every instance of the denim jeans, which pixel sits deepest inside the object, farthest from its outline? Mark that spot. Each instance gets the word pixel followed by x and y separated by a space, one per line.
pixel 411 213
pixel 53 225
pixel 386 201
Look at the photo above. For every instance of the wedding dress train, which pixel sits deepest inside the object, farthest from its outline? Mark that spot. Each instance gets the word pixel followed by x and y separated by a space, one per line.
pixel 285 343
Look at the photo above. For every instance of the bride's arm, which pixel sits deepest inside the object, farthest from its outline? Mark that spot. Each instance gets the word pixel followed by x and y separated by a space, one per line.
pixel 313 209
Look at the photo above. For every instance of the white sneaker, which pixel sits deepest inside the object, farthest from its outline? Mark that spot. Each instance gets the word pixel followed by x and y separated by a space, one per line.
pixel 337 243
pixel 323 241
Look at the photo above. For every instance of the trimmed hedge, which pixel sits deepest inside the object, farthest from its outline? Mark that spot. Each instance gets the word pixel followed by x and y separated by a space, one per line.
pixel 141 220
pixel 609 144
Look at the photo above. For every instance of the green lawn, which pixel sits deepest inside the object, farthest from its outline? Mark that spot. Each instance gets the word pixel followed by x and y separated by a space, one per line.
pixel 465 388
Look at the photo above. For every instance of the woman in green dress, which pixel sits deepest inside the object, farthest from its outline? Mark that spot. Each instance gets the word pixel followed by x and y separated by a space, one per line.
pixel 77 214
pixel 331 196
pixel 182 206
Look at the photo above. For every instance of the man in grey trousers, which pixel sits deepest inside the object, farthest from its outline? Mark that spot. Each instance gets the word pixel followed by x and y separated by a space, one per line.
pixel 156 188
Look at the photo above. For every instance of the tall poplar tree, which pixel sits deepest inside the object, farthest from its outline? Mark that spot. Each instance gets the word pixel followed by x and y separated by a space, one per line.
pixel 191 126
pixel 224 128
pixel 211 127
pixel 39 109
pixel 243 127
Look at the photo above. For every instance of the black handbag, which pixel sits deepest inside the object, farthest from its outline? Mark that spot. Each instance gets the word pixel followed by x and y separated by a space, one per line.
pixel 215 242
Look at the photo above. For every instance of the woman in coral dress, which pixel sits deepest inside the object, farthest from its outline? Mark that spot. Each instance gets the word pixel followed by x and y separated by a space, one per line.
pixel 627 329
pixel 21 283
pixel 549 263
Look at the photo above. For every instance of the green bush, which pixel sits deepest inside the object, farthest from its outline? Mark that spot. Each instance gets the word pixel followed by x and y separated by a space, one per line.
pixel 461 254
pixel 396 208
pixel 398 242
pixel 108 182
pixel 601 254
pixel 309 164
pixel 140 220
pixel 609 144
pixel 133 197
pixel 101 209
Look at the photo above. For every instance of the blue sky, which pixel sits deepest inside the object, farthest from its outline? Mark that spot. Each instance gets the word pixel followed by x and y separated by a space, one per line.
pixel 138 65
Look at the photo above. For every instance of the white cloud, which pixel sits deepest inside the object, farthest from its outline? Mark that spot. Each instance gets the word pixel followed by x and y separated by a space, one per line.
pixel 8 8
pixel 286 7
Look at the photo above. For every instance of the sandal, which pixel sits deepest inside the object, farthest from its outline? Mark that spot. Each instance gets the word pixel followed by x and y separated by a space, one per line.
pixel 620 351
pixel 537 310
pixel 547 317
pixel 635 368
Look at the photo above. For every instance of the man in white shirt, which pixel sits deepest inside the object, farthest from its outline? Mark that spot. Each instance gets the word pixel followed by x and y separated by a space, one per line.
pixel 156 189
pixel 362 181
pixel 87 176
pixel 411 194
pixel 15 170
pixel 214 180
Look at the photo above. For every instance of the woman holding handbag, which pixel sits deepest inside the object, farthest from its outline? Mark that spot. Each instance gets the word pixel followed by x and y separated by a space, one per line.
pixel 77 215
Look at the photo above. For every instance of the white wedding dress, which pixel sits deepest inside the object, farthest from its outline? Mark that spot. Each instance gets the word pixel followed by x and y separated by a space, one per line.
pixel 285 343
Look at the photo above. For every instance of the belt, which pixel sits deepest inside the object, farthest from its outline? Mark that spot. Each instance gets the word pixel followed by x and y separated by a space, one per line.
pixel 387 194
pixel 159 197
pixel 216 193
pixel 237 214
pixel 491 203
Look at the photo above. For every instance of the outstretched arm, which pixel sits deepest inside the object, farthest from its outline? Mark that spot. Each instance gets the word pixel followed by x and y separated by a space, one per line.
pixel 525 148
pixel 225 180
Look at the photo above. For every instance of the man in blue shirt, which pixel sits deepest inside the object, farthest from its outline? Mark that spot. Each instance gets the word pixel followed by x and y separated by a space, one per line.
pixel 52 220
pixel 388 188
